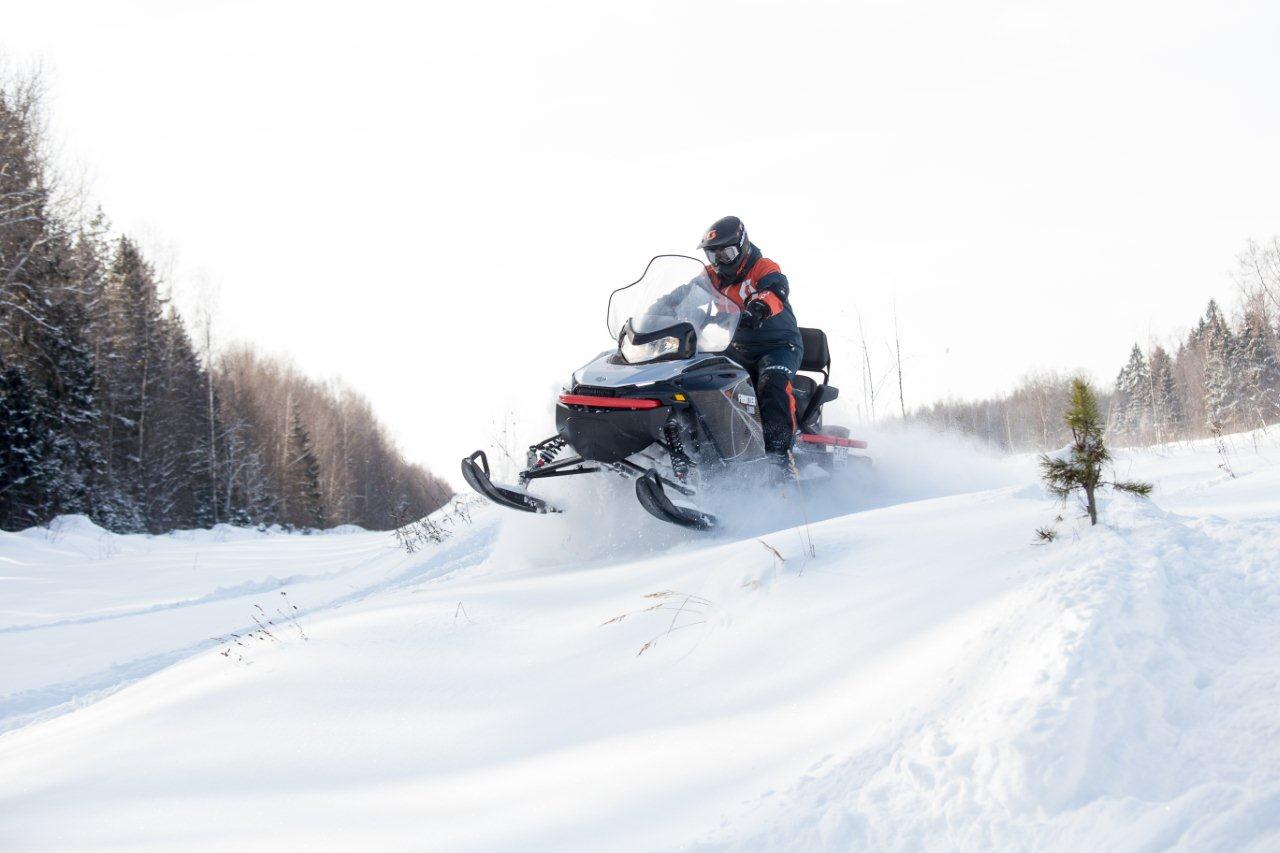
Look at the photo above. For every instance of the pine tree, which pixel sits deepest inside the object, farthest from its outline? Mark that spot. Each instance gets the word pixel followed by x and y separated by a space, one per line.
pixel 43 328
pixel 71 420
pixel 1256 368
pixel 302 477
pixel 91 259
pixel 24 452
pixel 1082 465
pixel 1214 336
pixel 157 427
pixel 179 448
pixel 24 216
pixel 1132 402
pixel 133 340
pixel 1166 408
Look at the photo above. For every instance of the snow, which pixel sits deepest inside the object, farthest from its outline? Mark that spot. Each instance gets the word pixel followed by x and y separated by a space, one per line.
pixel 928 679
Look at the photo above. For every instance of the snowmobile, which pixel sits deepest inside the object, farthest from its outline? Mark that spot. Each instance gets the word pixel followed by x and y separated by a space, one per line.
pixel 667 408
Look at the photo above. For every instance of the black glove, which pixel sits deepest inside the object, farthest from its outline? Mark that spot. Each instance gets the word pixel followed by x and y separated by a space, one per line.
pixel 754 314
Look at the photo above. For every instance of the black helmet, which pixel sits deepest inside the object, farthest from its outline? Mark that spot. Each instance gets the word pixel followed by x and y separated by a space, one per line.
pixel 726 246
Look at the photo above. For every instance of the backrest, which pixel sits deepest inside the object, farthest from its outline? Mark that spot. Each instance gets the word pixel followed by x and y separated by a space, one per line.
pixel 816 355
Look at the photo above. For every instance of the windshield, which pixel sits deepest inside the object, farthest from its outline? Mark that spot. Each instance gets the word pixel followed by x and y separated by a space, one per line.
pixel 675 289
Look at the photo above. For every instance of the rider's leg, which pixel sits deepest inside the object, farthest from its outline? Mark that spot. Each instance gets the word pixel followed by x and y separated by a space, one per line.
pixel 745 357
pixel 774 370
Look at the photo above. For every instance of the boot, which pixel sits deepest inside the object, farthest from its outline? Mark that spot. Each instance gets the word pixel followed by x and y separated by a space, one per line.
pixel 779 467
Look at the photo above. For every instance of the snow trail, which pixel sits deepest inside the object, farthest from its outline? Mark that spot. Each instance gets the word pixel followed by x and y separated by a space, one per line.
pixel 927 679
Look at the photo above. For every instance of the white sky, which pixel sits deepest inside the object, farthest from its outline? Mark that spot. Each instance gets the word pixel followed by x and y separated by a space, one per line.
pixel 433 201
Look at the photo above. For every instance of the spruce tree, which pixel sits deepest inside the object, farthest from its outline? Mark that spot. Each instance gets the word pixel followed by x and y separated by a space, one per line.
pixel 1166 408
pixel 302 477
pixel 43 328
pixel 134 308
pixel 1082 465
pixel 24 452
pixel 1256 369
pixel 1218 344
pixel 1132 402
pixel 180 429
pixel 71 419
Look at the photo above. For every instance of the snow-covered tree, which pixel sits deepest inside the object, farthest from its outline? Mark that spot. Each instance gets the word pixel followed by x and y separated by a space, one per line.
pixel 1256 368
pixel 24 452
pixel 71 416
pixel 1131 406
pixel 44 322
pixel 1166 408
pixel 1218 344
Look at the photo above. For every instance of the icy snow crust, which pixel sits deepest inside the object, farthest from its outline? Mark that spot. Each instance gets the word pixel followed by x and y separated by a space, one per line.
pixel 929 680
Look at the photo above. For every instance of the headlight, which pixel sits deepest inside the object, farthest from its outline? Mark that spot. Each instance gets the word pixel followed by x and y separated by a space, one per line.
pixel 640 353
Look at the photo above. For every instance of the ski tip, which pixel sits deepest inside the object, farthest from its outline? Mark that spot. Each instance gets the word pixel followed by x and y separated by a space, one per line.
pixel 653 497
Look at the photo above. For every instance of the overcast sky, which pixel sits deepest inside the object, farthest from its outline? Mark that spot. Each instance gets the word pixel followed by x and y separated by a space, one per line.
pixel 433 201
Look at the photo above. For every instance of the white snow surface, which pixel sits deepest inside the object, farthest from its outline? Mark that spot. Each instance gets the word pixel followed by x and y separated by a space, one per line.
pixel 927 679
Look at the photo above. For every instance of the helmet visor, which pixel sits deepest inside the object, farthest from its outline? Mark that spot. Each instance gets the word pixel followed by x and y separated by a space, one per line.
pixel 723 255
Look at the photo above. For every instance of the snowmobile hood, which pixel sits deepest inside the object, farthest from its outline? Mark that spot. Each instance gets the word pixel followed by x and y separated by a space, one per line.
pixel 604 373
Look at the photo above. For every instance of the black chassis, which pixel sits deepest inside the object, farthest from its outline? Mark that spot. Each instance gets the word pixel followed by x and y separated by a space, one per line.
pixel 610 435
pixel 604 437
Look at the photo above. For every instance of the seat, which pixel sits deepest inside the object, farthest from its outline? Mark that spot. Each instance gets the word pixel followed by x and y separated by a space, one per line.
pixel 817 357
pixel 810 396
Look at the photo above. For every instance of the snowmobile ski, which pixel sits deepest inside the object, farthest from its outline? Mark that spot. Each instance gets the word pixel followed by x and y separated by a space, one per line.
pixel 654 499
pixel 475 470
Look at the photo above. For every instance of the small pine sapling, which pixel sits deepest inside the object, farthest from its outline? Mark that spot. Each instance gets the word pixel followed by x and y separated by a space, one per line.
pixel 1081 465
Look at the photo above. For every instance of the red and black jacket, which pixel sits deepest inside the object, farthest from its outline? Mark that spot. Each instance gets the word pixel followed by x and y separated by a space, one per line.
pixel 762 280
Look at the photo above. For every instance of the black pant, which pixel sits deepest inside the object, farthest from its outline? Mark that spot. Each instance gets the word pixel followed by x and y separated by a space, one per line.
pixel 772 368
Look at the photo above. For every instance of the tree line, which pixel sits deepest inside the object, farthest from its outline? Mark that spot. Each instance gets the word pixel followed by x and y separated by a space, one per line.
pixel 108 408
pixel 1222 377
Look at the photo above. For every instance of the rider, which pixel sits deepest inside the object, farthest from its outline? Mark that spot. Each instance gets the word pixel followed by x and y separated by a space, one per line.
pixel 767 342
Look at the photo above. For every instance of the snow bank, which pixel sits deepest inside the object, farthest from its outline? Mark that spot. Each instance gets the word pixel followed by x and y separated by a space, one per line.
pixel 924 678
pixel 1118 696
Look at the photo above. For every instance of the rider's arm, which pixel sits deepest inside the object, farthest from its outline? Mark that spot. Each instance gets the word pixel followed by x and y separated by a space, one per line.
pixel 671 301
pixel 772 289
